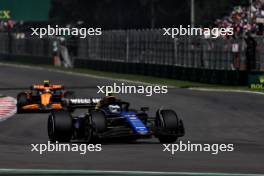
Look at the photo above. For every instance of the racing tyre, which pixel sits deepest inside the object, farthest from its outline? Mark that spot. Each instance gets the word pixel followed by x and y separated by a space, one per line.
pixel 167 120
pixel 22 100
pixel 60 126
pixel 98 121
pixel 94 125
pixel 88 132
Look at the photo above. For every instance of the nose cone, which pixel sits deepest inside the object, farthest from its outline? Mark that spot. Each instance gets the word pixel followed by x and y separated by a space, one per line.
pixel 45 99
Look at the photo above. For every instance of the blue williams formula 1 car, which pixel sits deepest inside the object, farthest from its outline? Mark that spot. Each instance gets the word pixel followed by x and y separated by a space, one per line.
pixel 110 117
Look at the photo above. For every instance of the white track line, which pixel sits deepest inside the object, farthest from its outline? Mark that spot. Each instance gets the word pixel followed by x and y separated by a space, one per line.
pixel 225 90
pixel 105 172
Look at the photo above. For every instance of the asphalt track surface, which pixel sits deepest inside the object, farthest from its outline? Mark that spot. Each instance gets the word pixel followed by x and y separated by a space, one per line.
pixel 209 117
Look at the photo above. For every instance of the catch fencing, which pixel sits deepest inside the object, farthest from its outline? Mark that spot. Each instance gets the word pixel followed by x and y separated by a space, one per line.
pixel 138 47
pixel 151 47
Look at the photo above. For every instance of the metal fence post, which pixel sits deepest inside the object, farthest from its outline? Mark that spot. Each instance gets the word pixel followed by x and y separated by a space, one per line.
pixel 127 47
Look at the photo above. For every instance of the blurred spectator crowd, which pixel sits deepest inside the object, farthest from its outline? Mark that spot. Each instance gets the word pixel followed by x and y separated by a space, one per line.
pixel 245 19
pixel 6 24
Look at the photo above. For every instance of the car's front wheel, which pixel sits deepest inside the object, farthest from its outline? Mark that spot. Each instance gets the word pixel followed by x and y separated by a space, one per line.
pixel 98 121
pixel 60 126
pixel 168 122
pixel 22 100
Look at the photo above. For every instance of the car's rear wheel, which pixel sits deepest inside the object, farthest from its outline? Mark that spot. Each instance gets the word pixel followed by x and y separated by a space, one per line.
pixel 98 121
pixel 167 120
pixel 94 126
pixel 60 126
pixel 88 131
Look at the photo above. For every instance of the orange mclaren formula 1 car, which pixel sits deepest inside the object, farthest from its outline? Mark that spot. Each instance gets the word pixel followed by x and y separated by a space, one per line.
pixel 42 98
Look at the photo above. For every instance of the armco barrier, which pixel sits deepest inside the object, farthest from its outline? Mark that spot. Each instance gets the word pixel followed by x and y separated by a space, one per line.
pixel 227 77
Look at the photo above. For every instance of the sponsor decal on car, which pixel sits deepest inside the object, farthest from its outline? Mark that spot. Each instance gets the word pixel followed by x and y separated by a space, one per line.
pixel 84 100
pixel 135 123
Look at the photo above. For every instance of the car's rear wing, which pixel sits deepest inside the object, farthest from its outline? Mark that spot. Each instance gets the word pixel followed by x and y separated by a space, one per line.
pixel 75 103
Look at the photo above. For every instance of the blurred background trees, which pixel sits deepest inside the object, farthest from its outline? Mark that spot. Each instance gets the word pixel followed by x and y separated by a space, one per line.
pixel 137 14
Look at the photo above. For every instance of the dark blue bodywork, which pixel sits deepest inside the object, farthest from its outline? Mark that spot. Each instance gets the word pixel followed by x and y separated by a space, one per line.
pixel 136 124
pixel 131 117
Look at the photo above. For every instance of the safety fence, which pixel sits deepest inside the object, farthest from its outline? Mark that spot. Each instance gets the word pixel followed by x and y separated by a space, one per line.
pixel 22 48
pixel 146 52
pixel 151 47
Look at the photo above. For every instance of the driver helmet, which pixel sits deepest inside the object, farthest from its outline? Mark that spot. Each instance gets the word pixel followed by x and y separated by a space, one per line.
pixel 109 98
pixel 46 83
